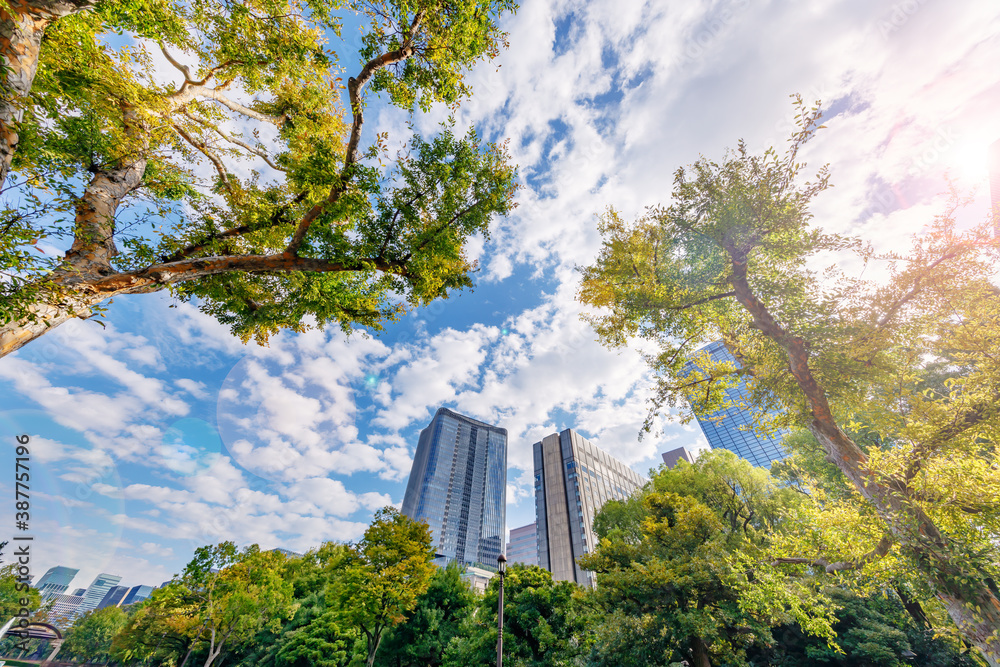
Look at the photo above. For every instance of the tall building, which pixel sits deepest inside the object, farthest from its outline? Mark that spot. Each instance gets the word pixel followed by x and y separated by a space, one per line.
pixel 573 478
pixel 64 608
pixel 80 592
pixel 732 427
pixel 55 581
pixel 114 597
pixel 458 485
pixel 674 455
pixel 96 592
pixel 136 594
pixel 523 545
pixel 995 185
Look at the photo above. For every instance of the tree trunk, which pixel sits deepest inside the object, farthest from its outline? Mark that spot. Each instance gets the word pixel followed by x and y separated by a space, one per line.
pixel 43 318
pixel 972 605
pixel 373 642
pixel 699 653
pixel 21 31
pixel 913 608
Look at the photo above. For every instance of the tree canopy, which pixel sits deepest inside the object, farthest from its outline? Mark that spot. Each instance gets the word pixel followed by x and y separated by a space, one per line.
pixel 733 256
pixel 109 156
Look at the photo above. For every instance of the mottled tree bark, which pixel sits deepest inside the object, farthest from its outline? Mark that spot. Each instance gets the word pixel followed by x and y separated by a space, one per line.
pixel 21 31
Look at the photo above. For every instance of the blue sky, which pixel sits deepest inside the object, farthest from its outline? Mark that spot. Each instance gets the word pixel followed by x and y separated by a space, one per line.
pixel 161 432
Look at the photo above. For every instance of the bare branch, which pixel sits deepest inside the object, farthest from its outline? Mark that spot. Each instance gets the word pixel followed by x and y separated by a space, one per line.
pixel 233 140
pixel 202 147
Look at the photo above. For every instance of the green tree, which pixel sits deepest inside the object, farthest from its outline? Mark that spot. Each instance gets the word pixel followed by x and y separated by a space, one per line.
pixel 389 569
pixel 106 153
pixel 693 580
pixel 422 639
pixel 730 258
pixel 543 623
pixel 16 595
pixel 90 637
pixel 161 628
pixel 237 594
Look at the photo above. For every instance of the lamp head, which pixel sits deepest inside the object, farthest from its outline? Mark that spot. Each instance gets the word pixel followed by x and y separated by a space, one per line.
pixel 501 563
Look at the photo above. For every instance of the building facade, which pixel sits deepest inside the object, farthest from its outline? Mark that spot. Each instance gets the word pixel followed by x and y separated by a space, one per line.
pixel 137 594
pixel 64 609
pixel 573 479
pixel 96 592
pixel 458 485
pixel 523 545
pixel 732 427
pixel 56 581
pixel 680 454
pixel 114 597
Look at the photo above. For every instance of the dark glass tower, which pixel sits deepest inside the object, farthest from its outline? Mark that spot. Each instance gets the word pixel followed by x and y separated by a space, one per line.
pixel 732 428
pixel 458 485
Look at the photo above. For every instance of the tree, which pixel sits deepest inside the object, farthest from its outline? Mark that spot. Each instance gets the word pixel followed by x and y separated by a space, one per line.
pixel 543 623
pixel 729 258
pixel 105 153
pixel 91 635
pixel 422 639
pixel 389 569
pixel 13 593
pixel 162 627
pixel 697 583
pixel 238 593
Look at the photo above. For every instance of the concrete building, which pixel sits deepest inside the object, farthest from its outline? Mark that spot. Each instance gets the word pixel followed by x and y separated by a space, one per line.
pixel 732 427
pixel 478 578
pixel 523 545
pixel 674 455
pixel 56 581
pixel 573 479
pixel 64 609
pixel 458 485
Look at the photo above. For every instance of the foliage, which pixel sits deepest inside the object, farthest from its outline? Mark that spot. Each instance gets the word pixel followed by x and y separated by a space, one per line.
pixel 872 631
pixel 543 623
pixel 92 633
pixel 421 640
pixel 13 593
pixel 698 583
pixel 849 359
pixel 387 572
pixel 111 164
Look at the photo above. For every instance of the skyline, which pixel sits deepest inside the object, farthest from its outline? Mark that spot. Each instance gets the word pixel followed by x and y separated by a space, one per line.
pixel 163 432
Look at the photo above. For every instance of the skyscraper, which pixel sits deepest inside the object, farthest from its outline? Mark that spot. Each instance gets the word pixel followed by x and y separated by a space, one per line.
pixel 114 597
pixel 523 545
pixel 458 485
pixel 136 594
pixel 732 427
pixel 573 478
pixel 56 581
pixel 674 455
pixel 96 592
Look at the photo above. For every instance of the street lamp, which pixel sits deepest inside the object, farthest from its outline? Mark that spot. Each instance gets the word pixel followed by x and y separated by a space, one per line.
pixel 501 570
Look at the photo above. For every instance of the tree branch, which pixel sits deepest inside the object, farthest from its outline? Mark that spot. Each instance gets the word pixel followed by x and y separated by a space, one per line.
pixel 832 568
pixel 203 148
pixel 233 140
pixel 354 87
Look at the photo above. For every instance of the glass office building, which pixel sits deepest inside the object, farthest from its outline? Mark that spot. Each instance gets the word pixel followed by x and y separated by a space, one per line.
pixel 458 485
pixel 732 427
pixel 573 479
pixel 56 581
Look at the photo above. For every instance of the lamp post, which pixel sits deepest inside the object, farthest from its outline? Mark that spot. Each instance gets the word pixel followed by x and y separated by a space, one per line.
pixel 501 570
